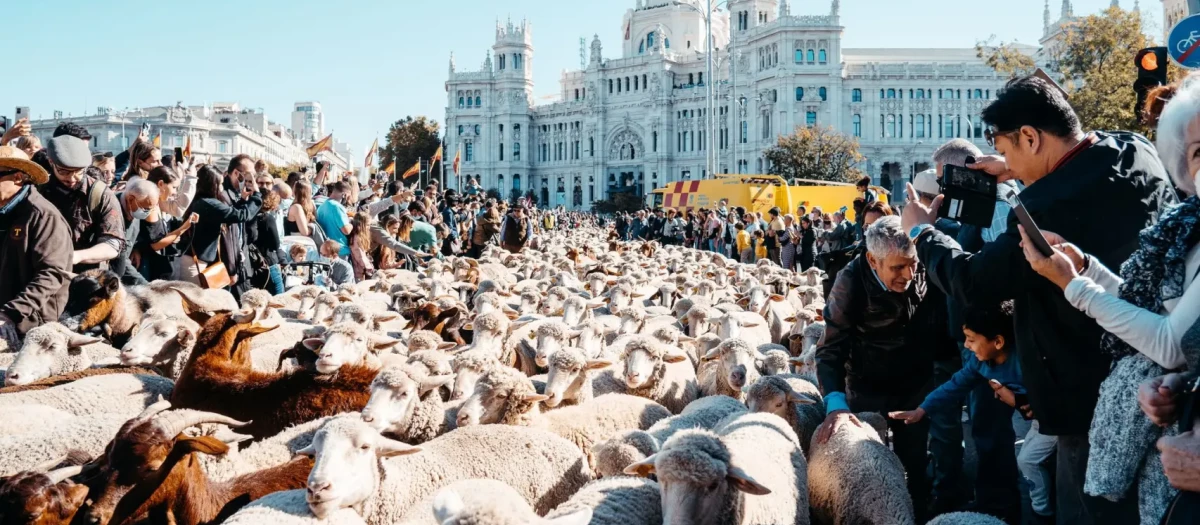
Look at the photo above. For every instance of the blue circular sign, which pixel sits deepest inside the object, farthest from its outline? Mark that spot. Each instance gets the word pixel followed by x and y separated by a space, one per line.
pixel 1184 42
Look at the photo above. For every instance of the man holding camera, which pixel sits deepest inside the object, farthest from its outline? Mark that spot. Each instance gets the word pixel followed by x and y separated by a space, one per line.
pixel 1099 190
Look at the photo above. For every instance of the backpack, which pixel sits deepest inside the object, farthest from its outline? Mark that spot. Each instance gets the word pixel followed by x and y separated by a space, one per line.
pixel 317 234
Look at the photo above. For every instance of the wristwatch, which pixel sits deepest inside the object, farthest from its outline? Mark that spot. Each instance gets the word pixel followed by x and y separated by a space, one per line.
pixel 917 230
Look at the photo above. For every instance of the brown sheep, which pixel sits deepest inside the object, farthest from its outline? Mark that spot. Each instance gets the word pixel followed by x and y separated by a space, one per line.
pixel 181 492
pixel 218 377
pixel 42 497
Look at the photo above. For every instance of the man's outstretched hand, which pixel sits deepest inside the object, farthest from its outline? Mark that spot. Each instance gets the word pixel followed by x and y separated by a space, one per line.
pixel 915 213
pixel 834 420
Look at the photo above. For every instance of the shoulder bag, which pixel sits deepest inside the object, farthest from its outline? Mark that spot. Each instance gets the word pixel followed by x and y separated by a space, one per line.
pixel 215 275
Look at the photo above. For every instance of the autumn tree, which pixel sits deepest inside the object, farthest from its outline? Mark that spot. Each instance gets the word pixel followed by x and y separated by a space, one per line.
pixel 1005 58
pixel 816 153
pixel 409 139
pixel 281 172
pixel 617 202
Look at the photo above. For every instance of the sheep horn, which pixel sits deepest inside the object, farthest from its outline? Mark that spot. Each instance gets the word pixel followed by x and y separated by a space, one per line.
pixel 60 475
pixel 43 467
pixel 175 422
pixel 154 409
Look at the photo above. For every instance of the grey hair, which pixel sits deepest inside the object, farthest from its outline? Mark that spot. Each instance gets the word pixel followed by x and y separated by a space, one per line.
pixel 143 189
pixel 886 237
pixel 1173 124
pixel 955 152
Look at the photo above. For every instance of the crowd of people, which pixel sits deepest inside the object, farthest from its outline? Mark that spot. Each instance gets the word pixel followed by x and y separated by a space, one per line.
pixel 147 216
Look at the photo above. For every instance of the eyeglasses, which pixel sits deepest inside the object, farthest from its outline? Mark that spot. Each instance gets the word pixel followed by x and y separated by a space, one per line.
pixel 990 135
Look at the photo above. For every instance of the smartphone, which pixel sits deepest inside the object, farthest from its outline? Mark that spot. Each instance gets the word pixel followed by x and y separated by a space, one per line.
pixel 22 112
pixel 178 156
pixel 1031 228
pixel 146 128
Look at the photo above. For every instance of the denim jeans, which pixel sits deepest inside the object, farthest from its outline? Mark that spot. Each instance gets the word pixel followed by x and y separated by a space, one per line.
pixel 1032 460
pixel 275 286
pixel 996 489
pixel 946 444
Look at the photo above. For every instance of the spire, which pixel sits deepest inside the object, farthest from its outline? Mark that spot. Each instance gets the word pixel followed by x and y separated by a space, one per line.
pixel 784 9
pixel 1136 8
pixel 837 6
pixel 1066 10
pixel 1046 19
pixel 451 61
pixel 1116 4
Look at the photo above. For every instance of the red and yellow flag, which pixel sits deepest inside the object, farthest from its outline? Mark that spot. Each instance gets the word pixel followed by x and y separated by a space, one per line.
pixel 436 157
pixel 158 139
pixel 390 169
pixel 371 154
pixel 413 171
pixel 325 144
pixel 187 148
pixel 457 158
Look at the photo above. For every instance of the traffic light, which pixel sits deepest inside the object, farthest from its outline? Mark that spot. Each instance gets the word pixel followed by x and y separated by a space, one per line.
pixel 1151 65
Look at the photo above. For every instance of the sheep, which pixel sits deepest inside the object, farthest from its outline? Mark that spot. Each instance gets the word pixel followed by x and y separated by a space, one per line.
pixel 26 418
pixel 218 378
pixel 469 366
pixel 97 300
pixel 775 360
pixel 965 518
pixel 854 478
pixel 657 372
pixel 51 350
pixel 482 502
pixel 490 329
pixel 88 434
pixel 275 450
pixel 792 398
pixel 266 348
pixel 504 396
pixel 163 341
pixel 711 477
pixel 42 496
pixel 179 489
pixel 141 445
pixel 109 393
pixel 632 446
pixel 569 381
pixel 347 343
pixel 404 403
pixel 728 369
pixel 619 500
pixel 257 305
pixel 354 467
pixel 744 325
pixel 536 343
pixel 289 508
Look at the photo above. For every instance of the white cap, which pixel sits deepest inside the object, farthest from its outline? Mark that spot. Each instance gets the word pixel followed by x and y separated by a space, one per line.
pixel 926 182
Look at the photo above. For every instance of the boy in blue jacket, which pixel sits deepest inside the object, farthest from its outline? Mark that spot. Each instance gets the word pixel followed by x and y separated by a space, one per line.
pixel 989 334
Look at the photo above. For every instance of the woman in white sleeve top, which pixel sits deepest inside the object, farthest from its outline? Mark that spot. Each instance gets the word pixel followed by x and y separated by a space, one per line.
pixel 1145 311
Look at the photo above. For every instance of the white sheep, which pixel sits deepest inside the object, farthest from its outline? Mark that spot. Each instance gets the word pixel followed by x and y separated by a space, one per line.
pixel 965 518
pixel 774 360
pixel 289 508
pixel 792 398
pixel 489 331
pixel 347 343
pixel 52 350
pixel 728 369
pixel 163 341
pixel 117 394
pixel 632 446
pixel 275 450
pixel 749 470
pixel 89 433
pixel 657 372
pixel 355 468
pixel 404 403
pixel 505 396
pixel 469 366
pixel 30 418
pixel 482 502
pixel 855 478
pixel 570 379
pixel 621 500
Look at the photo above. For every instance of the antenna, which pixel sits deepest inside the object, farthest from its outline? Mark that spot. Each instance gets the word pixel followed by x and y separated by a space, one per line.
pixel 582 53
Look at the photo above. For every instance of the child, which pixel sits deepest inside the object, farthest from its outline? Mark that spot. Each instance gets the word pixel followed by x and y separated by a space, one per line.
pixel 340 270
pixel 760 246
pixel 743 244
pixel 989 332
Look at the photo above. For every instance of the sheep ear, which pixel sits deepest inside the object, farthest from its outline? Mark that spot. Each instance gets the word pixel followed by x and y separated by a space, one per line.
pixel 435 382
pixel 580 517
pixel 800 399
pixel 185 337
pixel 449 346
pixel 202 444
pixel 597 364
pixel 382 342
pixel 386 448
pixel 76 341
pixel 789 319
pixel 686 339
pixel 308 451
pixel 447 505
pixel 745 483
pixel 643 468
pixel 776 297
pixel 749 323
pixel 532 398
pixel 314 344
pixel 674 358
pixel 711 355
pixel 386 317
pixel 798 361
pixel 276 303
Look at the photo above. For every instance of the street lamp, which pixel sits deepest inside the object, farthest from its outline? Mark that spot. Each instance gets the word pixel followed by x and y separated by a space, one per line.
pixel 710 106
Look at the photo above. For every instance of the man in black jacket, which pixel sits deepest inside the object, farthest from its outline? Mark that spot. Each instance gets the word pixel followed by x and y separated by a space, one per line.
pixel 1096 189
pixel 654 226
pixel 877 353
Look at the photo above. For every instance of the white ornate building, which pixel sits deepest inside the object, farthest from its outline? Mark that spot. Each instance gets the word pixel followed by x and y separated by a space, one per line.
pixel 637 122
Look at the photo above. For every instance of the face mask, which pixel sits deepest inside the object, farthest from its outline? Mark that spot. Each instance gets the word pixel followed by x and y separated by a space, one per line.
pixel 141 214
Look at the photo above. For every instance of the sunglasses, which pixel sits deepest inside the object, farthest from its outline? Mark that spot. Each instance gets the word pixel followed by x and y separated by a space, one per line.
pixel 990 135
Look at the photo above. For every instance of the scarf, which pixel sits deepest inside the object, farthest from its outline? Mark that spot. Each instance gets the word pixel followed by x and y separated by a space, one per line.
pixel 1122 438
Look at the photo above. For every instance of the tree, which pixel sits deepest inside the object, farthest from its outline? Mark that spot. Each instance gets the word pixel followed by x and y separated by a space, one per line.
pixel 1005 58
pixel 494 194
pixel 281 172
pixel 624 201
pixel 409 139
pixel 514 195
pixel 816 153
pixel 532 196
pixel 1094 59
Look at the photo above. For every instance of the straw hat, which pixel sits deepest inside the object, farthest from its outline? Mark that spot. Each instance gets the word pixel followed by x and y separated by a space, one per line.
pixel 14 159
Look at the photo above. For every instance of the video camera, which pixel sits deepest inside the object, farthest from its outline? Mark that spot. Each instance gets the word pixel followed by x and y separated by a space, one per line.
pixel 969 196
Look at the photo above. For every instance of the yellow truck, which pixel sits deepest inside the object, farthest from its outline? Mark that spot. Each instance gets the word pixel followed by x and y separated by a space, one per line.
pixel 759 193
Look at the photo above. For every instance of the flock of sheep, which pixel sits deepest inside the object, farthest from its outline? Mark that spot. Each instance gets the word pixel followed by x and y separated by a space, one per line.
pixel 584 381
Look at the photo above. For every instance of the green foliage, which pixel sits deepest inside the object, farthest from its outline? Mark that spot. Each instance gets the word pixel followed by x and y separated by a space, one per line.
pixel 281 172
pixel 409 139
pixel 495 195
pixel 817 153
pixel 1005 58
pixel 619 202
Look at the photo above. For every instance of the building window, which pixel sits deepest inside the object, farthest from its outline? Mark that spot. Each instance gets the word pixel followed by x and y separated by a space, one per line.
pixel 460 130
pixel 635 83
pixel 799 94
pixel 470 153
pixel 821 56
pixel 500 177
pixel 501 151
pixel 650 40
pixel 618 85
pixel 577 94
pixel 766 125
pixel 812 56
pixel 644 83
pixel 501 62
pixel 856 95
pixel 478 101
pixel 891 93
pixel 461 102
pixel 477 129
pixel 610 90
pixel 823 93
pixel 744 134
pixel 810 118
pixel 517 181
pixel 891 126
pixel 641 48
pixel 978 93
pixel 591 147
pixel 516 151
pixel 857 125
pixel 222 146
pixel 919 127
pixel 799 56
pixel 470 102
pixel 654 141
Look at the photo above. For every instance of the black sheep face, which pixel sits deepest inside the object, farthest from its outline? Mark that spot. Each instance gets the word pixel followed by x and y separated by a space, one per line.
pixel 91 298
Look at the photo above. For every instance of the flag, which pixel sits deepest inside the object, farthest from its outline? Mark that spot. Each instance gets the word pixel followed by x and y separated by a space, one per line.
pixel 158 139
pixel 325 144
pixel 414 170
pixel 187 148
pixel 457 158
pixel 436 156
pixel 371 154
pixel 390 169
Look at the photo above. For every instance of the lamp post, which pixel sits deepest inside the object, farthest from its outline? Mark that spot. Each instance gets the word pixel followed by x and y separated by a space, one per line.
pixel 709 121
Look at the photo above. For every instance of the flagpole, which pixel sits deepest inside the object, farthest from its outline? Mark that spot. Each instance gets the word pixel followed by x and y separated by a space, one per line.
pixel 443 148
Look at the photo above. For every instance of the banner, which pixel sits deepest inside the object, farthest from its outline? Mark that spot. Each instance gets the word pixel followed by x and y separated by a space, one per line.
pixel 413 171
pixel 187 149
pixel 457 158
pixel 325 144
pixel 367 162
pixel 158 139
pixel 391 168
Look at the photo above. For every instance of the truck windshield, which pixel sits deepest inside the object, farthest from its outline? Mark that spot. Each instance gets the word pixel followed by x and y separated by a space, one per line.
pixel 658 200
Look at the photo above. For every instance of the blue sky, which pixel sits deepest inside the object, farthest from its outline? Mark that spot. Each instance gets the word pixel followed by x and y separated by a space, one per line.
pixel 372 62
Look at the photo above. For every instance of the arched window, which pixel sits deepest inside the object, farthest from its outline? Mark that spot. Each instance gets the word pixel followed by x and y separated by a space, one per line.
pixel 920 93
pixel 958 94
pixel 978 93
pixel 610 86
pixel 641 48
pixel 635 83
pixel 644 83
pixel 856 95
pixel 500 182
pixel 987 94
pixel 812 56
pixel 799 56
pixel 810 118
pixel 591 147
pixel 920 127
pixel 799 94
pixel 470 102
pixel 666 42
pixel 968 94
pixel 880 93
pixel 460 130
pixel 891 126
pixel 823 93
pixel 626 83
pixel 478 101
pixel 821 56
pixel 900 126
pixel 857 120
pixel 891 93
pixel 501 151
pixel 461 102
pixel 516 151
pixel 477 129
pixel 939 93
pixel 517 181
pixel 650 40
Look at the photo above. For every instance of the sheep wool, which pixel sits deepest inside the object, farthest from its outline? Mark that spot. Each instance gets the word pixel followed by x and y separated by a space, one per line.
pixel 854 478
pixel 88 433
pixel 276 450
pixel 671 384
pixel 965 518
pixel 289 508
pixel 769 391
pixel 483 502
pixel 123 395
pixel 622 500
